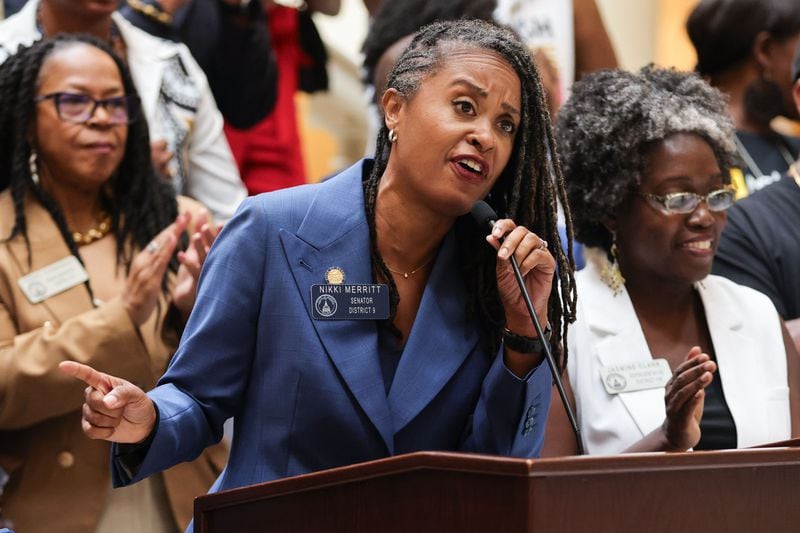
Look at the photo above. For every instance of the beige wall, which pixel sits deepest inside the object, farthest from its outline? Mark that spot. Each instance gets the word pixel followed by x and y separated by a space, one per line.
pixel 631 24
pixel 673 47
pixel 645 31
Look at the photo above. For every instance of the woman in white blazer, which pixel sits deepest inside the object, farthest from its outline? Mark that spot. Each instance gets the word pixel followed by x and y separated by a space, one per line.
pixel 663 356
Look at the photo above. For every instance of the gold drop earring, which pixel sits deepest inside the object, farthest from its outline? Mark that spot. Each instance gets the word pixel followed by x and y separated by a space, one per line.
pixel 610 274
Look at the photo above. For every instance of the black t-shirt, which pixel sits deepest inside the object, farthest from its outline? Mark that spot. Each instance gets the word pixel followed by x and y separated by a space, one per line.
pixel 760 246
pixel 771 154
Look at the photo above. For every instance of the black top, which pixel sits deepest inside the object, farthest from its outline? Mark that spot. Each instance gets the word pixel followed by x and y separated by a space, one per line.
pixel 771 154
pixel 717 428
pixel 760 246
pixel 232 47
pixel 390 349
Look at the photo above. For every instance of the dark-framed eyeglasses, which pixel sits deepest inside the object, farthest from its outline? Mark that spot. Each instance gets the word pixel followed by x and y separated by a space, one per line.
pixel 80 108
pixel 685 202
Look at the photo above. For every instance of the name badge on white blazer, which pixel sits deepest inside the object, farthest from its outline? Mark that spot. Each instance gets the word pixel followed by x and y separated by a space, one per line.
pixel 53 279
pixel 630 377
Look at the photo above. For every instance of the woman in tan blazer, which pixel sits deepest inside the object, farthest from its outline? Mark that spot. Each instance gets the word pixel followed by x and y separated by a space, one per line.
pixel 89 273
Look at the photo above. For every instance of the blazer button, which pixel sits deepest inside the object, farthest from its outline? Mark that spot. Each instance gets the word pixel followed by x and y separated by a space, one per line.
pixel 65 459
pixel 47 324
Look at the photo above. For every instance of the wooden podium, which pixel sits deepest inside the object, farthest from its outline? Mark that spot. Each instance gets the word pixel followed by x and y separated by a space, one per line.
pixel 754 490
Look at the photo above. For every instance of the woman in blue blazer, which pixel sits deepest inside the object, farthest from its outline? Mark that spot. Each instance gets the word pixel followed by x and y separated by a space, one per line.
pixel 455 367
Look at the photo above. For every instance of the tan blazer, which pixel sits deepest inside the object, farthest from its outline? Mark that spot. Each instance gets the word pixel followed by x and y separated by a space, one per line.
pixel 59 477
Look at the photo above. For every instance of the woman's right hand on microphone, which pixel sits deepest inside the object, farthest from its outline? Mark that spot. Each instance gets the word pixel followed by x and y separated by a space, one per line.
pixel 114 409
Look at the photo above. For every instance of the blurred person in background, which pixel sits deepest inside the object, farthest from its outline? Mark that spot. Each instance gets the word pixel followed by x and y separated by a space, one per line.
pixel 188 145
pixel 269 154
pixel 745 49
pixel 760 246
pixel 231 43
pixel 567 37
pixel 88 272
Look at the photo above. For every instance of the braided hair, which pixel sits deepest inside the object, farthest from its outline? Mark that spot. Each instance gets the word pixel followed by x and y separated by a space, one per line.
pixel 528 190
pixel 140 203
pixel 395 20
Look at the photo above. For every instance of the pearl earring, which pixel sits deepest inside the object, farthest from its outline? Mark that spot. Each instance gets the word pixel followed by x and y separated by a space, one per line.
pixel 33 167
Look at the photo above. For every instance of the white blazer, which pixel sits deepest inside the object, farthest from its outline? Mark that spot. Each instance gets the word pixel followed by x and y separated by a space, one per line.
pixel 177 103
pixel 751 357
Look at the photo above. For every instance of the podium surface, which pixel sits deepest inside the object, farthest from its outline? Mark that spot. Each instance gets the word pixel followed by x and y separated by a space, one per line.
pixel 753 490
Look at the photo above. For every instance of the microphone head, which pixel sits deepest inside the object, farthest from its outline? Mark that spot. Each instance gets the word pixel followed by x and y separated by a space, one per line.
pixel 483 214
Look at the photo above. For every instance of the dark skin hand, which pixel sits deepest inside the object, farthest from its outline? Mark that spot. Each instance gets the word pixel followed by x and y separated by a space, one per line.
pixel 684 399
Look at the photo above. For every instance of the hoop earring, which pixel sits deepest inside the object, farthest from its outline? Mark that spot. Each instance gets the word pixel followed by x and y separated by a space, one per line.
pixel 392 136
pixel 33 167
pixel 610 274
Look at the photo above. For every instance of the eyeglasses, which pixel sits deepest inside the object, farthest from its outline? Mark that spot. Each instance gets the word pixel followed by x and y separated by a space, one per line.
pixel 686 202
pixel 80 108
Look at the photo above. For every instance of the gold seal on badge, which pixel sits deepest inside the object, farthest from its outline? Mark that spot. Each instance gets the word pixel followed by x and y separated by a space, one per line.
pixel 334 276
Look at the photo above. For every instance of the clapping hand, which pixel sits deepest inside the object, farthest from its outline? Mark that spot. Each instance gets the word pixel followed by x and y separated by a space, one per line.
pixel 161 156
pixel 143 285
pixel 191 263
pixel 685 398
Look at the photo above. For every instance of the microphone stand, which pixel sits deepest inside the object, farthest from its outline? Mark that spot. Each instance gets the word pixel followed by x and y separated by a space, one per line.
pixel 548 354
pixel 484 214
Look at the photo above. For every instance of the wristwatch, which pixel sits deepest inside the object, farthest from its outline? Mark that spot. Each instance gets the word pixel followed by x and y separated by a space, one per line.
pixel 522 344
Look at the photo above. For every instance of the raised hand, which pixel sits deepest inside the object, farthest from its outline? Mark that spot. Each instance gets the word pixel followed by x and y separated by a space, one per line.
pixel 191 262
pixel 685 398
pixel 536 265
pixel 114 409
pixel 161 156
pixel 143 286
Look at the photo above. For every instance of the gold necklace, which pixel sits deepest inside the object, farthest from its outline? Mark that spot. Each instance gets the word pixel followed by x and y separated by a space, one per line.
pixel 795 174
pixel 410 272
pixel 95 233
pixel 150 11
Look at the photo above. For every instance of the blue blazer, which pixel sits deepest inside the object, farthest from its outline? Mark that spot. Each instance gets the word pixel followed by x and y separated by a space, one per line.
pixel 308 394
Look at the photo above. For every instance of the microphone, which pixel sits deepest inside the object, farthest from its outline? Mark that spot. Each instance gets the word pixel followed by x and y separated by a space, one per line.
pixel 484 215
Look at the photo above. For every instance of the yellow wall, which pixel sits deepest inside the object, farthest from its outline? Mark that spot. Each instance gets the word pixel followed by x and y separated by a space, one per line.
pixel 673 47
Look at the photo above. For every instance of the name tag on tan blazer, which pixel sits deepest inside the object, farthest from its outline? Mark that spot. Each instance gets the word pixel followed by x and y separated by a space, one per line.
pixel 53 279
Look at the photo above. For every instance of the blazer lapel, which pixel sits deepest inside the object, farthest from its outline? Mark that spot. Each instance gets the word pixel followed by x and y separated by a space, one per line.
pixel 47 247
pixel 440 339
pixel 736 355
pixel 620 340
pixel 146 64
pixel 320 244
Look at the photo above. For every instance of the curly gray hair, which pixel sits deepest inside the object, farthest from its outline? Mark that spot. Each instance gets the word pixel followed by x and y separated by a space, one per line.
pixel 612 119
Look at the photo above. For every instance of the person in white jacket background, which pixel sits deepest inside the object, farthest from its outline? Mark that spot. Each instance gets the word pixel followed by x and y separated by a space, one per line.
pixel 185 125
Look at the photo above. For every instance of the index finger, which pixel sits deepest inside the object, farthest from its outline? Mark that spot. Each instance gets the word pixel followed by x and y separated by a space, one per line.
pixel 158 144
pixel 175 229
pixel 87 374
pixel 179 225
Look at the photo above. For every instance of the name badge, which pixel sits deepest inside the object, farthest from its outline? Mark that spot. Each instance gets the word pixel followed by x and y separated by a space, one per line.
pixel 53 279
pixel 350 302
pixel 631 377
